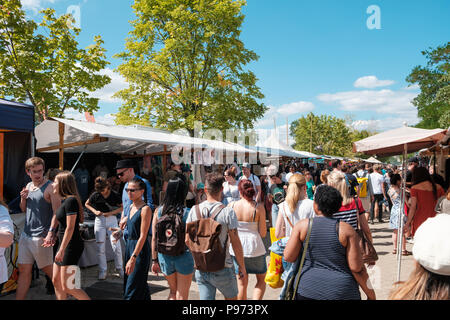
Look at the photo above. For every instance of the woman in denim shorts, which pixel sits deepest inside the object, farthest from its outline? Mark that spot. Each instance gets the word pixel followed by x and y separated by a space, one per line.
pixel 178 270
pixel 251 229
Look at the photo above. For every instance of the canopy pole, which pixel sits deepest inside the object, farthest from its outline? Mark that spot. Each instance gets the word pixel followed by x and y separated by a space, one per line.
pixel 61 145
pixel 402 214
pixel 164 159
pixel 79 157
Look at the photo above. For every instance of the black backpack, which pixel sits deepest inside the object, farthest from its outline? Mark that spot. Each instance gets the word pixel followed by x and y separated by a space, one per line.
pixel 170 234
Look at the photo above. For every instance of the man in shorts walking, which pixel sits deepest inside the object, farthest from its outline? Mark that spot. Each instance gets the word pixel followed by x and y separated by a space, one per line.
pixel 39 234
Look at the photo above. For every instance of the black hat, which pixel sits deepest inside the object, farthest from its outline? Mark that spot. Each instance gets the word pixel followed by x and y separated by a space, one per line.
pixel 126 163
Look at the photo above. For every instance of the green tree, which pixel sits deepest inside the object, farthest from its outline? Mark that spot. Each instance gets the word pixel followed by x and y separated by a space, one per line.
pixel 433 102
pixel 184 62
pixel 322 134
pixel 43 65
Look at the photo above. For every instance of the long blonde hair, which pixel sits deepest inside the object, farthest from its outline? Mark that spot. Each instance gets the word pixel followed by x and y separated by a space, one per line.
pixel 294 194
pixel 336 179
pixel 67 187
pixel 423 285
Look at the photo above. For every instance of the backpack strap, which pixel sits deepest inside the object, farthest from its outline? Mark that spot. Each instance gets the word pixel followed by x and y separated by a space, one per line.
pixel 254 212
pixel 217 211
pixel 197 211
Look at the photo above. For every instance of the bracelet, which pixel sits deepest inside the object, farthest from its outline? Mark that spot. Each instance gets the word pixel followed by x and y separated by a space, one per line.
pixel 155 260
pixel 134 256
pixel 52 230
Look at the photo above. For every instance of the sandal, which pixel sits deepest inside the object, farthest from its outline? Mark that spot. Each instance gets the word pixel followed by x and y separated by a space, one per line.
pixel 406 253
pixel 394 251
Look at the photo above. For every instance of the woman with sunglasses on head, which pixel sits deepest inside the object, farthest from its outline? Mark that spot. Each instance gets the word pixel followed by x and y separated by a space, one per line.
pixel 106 204
pixel 69 215
pixel 137 246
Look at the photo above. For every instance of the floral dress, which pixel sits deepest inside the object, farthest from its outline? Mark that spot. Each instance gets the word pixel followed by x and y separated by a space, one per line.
pixel 396 205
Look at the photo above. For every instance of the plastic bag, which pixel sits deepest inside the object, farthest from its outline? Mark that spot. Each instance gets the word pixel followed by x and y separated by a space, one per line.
pixel 275 268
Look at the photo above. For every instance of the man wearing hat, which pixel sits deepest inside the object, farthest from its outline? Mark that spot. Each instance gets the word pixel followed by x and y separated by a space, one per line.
pixel 246 170
pixel 125 172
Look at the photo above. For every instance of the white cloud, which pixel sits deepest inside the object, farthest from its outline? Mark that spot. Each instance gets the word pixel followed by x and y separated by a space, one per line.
pixel 35 5
pixel 381 101
pixel 283 111
pixel 370 82
pixel 117 83
pixel 387 123
pixel 295 107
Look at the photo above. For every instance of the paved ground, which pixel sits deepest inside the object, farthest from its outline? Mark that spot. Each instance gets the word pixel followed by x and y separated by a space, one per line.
pixel 383 276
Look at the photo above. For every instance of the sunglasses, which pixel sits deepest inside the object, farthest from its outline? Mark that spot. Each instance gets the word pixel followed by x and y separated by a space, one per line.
pixel 121 173
pixel 131 190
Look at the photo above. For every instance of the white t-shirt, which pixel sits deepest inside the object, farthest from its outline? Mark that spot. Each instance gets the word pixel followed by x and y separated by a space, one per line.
pixel 304 210
pixel 377 181
pixel 6 225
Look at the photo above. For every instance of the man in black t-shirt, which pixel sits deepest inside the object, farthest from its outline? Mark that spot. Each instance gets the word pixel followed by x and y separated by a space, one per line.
pixel 277 194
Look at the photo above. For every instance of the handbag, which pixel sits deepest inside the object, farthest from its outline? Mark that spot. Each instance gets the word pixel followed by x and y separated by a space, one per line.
pixel 294 281
pixel 369 254
pixel 275 269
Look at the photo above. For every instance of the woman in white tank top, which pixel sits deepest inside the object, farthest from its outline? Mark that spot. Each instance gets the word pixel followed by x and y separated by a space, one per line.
pixel 251 229
pixel 296 207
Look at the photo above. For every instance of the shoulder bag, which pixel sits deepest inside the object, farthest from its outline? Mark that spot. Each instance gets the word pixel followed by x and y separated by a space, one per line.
pixel 294 281
pixel 369 254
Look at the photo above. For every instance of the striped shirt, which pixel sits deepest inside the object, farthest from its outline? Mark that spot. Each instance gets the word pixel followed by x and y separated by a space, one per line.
pixel 347 213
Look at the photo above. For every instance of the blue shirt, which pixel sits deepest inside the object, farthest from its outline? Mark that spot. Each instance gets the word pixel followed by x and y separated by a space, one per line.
pixel 127 202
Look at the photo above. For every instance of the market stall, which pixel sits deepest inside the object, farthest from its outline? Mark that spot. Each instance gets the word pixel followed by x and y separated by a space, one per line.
pixel 403 140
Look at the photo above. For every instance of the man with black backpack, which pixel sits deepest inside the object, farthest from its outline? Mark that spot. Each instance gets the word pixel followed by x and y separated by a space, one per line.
pixel 208 228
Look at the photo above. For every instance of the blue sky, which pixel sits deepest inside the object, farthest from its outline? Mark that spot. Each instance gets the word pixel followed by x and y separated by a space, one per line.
pixel 317 56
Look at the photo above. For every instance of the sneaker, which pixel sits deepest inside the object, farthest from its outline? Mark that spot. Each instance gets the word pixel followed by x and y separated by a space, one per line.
pixel 102 275
pixel 120 272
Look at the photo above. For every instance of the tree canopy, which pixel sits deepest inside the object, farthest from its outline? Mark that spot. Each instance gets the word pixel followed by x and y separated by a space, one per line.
pixel 433 102
pixel 184 62
pixel 326 135
pixel 42 63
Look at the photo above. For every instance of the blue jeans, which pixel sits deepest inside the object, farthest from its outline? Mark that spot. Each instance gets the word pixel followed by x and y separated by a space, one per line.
pixel 274 214
pixel 223 280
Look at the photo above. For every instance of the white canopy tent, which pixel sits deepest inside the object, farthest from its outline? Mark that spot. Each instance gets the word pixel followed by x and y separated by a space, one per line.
pixel 273 146
pixel 87 137
pixel 403 140
pixel 372 160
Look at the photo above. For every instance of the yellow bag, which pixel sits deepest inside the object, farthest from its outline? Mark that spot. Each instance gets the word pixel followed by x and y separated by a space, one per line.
pixel 275 268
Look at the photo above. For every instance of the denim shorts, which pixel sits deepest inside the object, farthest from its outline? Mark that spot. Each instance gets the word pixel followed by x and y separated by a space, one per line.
pixel 223 280
pixel 256 265
pixel 183 264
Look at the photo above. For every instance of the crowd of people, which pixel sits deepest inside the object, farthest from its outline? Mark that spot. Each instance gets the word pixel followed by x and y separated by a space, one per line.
pixel 162 233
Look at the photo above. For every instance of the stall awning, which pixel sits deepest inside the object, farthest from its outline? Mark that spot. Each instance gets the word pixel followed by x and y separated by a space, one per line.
pixel 392 142
pixel 16 116
pixel 91 137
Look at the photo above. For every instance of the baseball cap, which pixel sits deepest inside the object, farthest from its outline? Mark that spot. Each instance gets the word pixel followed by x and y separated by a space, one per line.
pixel 246 165
pixel 431 244
pixel 200 186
